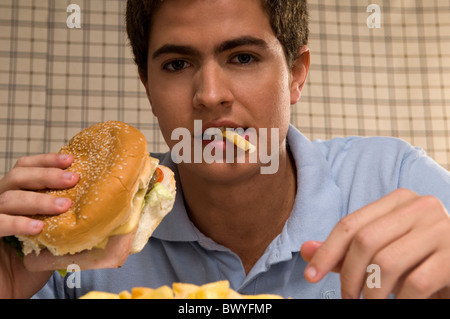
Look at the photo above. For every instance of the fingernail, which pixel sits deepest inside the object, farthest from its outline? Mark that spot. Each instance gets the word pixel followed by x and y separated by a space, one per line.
pixel 64 157
pixel 68 176
pixel 311 272
pixel 36 225
pixel 62 202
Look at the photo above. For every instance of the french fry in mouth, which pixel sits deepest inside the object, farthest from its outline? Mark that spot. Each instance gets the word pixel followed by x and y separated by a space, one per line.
pixel 239 141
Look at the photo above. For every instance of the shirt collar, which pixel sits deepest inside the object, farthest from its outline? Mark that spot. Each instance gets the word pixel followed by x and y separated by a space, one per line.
pixel 317 206
pixel 318 202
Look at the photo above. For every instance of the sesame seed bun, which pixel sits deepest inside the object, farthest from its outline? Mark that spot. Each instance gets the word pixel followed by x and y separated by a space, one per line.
pixel 115 171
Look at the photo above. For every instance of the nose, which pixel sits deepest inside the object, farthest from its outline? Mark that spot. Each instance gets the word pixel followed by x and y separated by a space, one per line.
pixel 211 87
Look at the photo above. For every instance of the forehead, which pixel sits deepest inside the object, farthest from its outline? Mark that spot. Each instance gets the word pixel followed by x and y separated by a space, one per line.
pixel 208 20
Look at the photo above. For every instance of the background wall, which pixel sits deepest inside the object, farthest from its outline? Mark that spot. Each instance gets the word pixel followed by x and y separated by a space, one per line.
pixel 392 80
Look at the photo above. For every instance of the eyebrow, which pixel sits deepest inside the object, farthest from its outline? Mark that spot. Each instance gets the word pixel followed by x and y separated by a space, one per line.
pixel 224 46
pixel 242 41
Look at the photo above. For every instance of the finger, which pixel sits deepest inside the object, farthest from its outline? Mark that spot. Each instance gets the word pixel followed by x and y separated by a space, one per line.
pixel 45 160
pixel 334 249
pixel 38 178
pixel 386 238
pixel 418 285
pixel 398 259
pixel 309 249
pixel 32 203
pixel 19 225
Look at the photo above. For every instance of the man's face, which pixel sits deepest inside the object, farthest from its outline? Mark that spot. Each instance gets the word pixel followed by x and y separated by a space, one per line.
pixel 219 62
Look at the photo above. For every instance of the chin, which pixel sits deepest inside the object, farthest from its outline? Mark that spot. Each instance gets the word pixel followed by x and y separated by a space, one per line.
pixel 222 173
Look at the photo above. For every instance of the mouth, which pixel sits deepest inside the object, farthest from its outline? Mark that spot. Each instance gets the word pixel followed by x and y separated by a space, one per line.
pixel 219 133
pixel 215 130
pixel 227 134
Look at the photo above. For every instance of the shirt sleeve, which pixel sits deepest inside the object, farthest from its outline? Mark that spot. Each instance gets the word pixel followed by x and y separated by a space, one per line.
pixel 367 169
pixel 421 174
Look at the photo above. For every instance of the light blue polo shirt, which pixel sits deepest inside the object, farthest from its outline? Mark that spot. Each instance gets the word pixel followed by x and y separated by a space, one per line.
pixel 334 178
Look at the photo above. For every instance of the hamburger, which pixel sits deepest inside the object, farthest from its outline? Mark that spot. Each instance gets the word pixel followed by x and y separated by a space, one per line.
pixel 121 197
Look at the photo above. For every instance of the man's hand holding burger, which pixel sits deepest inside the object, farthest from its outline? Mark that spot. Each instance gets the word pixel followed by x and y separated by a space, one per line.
pixel 18 201
pixel 93 204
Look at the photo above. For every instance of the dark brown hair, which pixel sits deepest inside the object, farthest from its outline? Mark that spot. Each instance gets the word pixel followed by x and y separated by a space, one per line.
pixel 288 18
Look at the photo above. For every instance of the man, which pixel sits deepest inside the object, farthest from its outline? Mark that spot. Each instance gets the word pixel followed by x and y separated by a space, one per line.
pixel 343 204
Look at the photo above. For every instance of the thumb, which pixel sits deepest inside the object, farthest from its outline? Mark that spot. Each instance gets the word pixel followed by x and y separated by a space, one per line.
pixel 309 248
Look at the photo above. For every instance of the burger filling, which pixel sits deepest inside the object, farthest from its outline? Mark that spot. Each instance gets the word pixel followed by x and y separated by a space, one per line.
pixel 152 194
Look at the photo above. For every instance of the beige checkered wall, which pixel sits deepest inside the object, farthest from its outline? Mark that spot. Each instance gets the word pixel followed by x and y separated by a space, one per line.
pixel 392 80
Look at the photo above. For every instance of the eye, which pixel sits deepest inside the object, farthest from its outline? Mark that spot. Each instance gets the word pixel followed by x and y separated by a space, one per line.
pixel 175 65
pixel 243 58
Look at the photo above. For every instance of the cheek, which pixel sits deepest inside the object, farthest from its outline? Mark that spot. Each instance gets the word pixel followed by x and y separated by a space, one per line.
pixel 170 115
pixel 277 105
pixel 171 104
pixel 273 99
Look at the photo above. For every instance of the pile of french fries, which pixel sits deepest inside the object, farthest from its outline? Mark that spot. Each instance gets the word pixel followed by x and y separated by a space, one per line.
pixel 214 290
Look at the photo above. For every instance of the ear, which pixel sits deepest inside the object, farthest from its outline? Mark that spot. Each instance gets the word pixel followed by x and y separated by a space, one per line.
pixel 299 73
pixel 147 91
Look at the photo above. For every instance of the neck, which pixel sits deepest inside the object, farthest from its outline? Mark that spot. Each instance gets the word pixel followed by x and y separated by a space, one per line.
pixel 245 215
